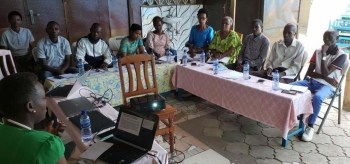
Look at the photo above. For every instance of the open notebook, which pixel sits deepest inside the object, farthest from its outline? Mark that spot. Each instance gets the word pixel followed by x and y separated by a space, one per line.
pixel 223 60
pixel 292 87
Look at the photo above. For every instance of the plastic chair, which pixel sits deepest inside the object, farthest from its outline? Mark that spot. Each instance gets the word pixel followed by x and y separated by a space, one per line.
pixel 337 93
pixel 167 115
pixel 114 43
pixel 7 66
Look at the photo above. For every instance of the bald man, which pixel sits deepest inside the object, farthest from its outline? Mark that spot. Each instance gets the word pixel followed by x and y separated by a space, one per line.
pixel 323 75
pixel 93 50
pixel 286 56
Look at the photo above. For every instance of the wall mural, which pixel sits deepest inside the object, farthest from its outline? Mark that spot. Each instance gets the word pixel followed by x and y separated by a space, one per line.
pixel 178 32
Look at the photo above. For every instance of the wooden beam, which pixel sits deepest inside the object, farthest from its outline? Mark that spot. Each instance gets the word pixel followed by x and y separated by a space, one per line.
pixel 233 13
pixel 346 102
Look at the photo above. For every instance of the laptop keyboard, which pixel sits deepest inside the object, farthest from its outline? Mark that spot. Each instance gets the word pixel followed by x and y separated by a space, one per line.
pixel 124 151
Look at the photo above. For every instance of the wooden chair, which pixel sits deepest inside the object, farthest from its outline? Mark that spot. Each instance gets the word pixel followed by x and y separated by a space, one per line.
pixel 7 66
pixel 166 115
pixel 240 36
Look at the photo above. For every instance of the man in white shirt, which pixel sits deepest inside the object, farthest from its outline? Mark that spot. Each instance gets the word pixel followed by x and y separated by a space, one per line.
pixel 323 75
pixel 54 53
pixel 18 40
pixel 286 56
pixel 93 50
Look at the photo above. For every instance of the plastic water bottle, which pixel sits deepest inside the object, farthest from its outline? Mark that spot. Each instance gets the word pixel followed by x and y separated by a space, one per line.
pixel 184 58
pixel 216 65
pixel 168 57
pixel 154 56
pixel 86 134
pixel 81 67
pixel 202 57
pixel 115 64
pixel 275 80
pixel 246 70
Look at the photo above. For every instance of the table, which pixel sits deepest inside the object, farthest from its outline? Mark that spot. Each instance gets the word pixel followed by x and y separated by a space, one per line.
pixel 246 97
pixel 110 113
pixel 101 82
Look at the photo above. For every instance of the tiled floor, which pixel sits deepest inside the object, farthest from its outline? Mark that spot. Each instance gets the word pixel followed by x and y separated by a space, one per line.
pixel 206 131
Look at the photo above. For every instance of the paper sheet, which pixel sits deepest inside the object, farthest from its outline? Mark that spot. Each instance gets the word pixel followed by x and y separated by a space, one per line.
pixel 164 58
pixel 130 124
pixel 232 75
pixel 299 88
pixel 93 152
pixel 223 60
pixel 285 86
pixel 288 77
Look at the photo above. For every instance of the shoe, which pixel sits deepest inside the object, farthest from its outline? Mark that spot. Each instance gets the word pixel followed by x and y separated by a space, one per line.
pixel 308 134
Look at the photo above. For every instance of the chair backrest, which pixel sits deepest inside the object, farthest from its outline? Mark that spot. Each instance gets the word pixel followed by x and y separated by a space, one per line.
pixel 345 69
pixel 303 61
pixel 35 54
pixel 7 66
pixel 137 61
pixel 114 42
pixel 240 36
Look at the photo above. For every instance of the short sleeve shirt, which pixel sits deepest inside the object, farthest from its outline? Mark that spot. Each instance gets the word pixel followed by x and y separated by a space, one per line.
pixel 17 43
pixel 128 47
pixel 201 38
pixel 54 53
pixel 29 146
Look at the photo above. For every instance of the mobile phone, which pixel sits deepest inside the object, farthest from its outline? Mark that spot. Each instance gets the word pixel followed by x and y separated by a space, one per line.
pixel 289 92
pixel 193 64
pixel 58 77
pixel 260 81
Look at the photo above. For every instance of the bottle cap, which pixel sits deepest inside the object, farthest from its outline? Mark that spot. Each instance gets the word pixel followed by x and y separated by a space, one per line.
pixel 185 50
pixel 83 112
pixel 80 59
pixel 246 62
pixel 276 71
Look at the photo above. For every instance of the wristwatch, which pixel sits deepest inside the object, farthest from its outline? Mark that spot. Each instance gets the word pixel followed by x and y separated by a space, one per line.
pixel 324 58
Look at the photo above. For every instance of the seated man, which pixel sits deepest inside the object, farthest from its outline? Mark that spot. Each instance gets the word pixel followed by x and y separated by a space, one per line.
pixel 54 53
pixel 254 49
pixel 93 50
pixel 286 56
pixel 324 73
pixel 19 41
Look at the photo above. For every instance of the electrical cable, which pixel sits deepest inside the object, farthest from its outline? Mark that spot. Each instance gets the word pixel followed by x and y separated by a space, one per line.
pixel 177 155
pixel 98 98
pixel 160 162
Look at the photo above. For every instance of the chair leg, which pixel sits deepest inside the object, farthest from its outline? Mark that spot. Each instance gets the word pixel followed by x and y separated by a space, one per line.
pixel 325 115
pixel 339 108
pixel 171 134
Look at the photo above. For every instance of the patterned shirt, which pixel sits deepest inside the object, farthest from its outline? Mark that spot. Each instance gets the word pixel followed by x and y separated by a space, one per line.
pixel 159 43
pixel 129 48
pixel 222 45
pixel 287 57
pixel 336 59
pixel 54 53
pixel 254 50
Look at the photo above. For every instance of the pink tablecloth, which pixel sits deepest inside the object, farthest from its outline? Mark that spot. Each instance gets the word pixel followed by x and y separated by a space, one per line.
pixel 109 112
pixel 246 97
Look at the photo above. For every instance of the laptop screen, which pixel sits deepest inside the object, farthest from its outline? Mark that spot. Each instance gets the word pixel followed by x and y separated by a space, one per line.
pixel 136 128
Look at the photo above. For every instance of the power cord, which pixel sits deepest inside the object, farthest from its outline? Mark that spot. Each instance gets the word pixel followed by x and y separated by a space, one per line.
pixel 98 98
pixel 177 155
pixel 160 162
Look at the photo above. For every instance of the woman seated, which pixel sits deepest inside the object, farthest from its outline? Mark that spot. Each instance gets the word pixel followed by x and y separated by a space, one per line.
pixel 226 43
pixel 157 41
pixel 130 44
pixel 201 34
pixel 23 104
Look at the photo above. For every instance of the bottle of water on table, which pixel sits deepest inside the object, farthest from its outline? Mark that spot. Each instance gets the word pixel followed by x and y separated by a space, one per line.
pixel 216 65
pixel 81 67
pixel 275 80
pixel 246 70
pixel 168 57
pixel 86 134
pixel 115 64
pixel 202 57
pixel 184 58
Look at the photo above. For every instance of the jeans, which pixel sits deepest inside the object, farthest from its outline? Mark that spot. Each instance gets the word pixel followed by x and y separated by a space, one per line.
pixel 45 74
pixel 320 91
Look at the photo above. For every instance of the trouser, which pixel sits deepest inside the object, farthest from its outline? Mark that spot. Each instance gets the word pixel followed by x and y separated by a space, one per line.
pixel 22 62
pixel 320 91
pixel 45 74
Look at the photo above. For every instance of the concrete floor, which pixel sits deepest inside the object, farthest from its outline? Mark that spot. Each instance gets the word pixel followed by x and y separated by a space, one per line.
pixel 204 130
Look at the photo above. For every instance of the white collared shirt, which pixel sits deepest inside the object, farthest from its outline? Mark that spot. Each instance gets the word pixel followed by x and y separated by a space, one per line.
pixel 287 57
pixel 54 53
pixel 101 48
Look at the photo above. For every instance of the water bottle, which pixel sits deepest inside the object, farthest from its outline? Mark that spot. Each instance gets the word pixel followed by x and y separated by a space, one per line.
pixel 184 58
pixel 81 67
pixel 154 56
pixel 275 80
pixel 202 57
pixel 168 57
pixel 216 65
pixel 246 70
pixel 115 64
pixel 86 134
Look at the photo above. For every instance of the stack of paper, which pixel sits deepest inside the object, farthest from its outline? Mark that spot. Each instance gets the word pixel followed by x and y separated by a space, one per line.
pixel 223 60
pixel 231 75
pixel 299 88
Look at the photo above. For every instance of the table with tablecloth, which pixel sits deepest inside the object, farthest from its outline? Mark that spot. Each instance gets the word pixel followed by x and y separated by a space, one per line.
pixel 246 97
pixel 109 112
pixel 101 82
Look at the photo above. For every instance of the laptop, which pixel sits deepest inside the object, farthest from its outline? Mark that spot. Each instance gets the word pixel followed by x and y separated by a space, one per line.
pixel 74 106
pixel 133 137
pixel 68 90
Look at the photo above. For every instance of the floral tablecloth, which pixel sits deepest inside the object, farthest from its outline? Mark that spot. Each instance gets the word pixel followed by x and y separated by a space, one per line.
pixel 101 82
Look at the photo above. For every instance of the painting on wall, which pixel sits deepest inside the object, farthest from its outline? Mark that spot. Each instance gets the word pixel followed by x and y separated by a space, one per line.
pixel 178 32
